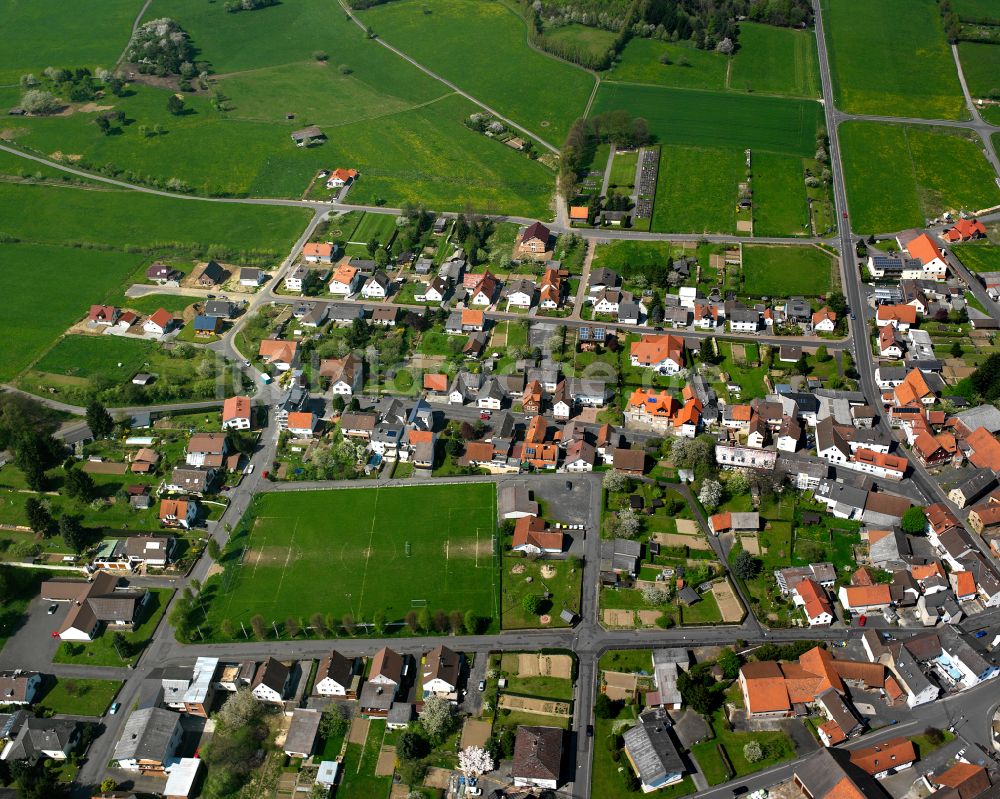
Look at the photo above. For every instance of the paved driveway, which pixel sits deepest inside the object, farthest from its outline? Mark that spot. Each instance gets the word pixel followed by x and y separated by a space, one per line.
pixel 33 646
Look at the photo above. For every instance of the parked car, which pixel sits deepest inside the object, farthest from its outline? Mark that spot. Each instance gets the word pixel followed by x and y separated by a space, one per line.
pixel 482 685
pixel 114 708
pixel 52 609
pixel 981 634
pixel 484 415
pixel 862 621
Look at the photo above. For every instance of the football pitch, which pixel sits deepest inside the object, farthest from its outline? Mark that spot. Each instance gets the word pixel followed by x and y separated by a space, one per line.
pixel 360 551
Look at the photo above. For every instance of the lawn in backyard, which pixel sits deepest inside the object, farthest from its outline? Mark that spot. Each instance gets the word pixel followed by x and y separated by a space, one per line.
pixel 898 176
pixel 73 280
pixel 777 745
pixel 979 257
pixel 773 60
pixel 704 612
pixel 391 548
pixel 358 780
pixel 780 207
pixel 41 33
pixel 101 651
pixel 606 782
pixel 380 227
pixel 785 271
pixel 697 189
pixel 891 58
pixel 542 93
pixel 78 697
pixel 717 119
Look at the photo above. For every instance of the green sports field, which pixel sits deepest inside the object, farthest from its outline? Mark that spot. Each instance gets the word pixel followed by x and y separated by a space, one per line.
pixel 360 551
pixel 979 257
pixel 899 176
pixel 892 58
pixel 482 48
pixel 785 271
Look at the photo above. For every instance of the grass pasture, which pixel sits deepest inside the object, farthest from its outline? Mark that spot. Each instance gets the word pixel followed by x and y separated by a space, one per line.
pixel 542 93
pixel 774 60
pixel 41 33
pixel 696 190
pixel 90 356
pixel 282 562
pixel 891 58
pixel 688 67
pixel 784 271
pixel 899 176
pixel 980 65
pixel 981 257
pixel 74 279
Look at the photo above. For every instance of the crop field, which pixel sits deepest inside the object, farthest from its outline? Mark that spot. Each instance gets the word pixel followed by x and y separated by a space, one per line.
pixel 776 61
pixel 779 196
pixel 359 551
pixel 898 176
pixel 537 91
pixel 785 271
pixel 891 58
pixel 119 219
pixel 688 67
pixel 40 33
pixel 594 41
pixel 713 119
pixel 979 257
pixel 975 8
pixel 73 280
pixel 696 190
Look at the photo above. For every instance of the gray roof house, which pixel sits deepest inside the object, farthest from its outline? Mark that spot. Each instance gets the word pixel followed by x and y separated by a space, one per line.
pixel 302 732
pixel 651 750
pixel 41 738
pixel 620 555
pixel 149 740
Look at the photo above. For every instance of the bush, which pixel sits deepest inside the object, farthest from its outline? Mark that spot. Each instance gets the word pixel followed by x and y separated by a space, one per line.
pixel 752 752
pixel 38 101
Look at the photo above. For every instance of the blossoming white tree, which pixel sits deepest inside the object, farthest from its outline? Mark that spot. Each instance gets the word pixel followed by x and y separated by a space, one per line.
pixel 475 761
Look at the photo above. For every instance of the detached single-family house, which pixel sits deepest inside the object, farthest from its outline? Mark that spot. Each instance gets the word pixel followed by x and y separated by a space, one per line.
pixel 824 320
pixel 376 287
pixel 664 354
pixel 341 177
pixel 283 355
pixel 317 252
pixel 42 738
pixel 346 374
pixel 534 240
pixel 441 671
pixel 178 512
pixel 520 294
pixel 652 752
pixel 300 740
pixel 537 757
pixel 236 413
pixel 385 677
pixel 19 687
pixel 163 275
pixel 213 274
pixel 149 740
pixel 532 536
pixel 159 323
pixel 251 276
pixel 301 424
pixel 345 279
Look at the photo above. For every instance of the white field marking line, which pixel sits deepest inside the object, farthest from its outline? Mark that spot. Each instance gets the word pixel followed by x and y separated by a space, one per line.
pixel 288 558
pixel 368 556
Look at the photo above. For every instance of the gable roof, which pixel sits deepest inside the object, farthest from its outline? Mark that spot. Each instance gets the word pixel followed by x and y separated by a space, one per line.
pixel 649 350
pixel 536 230
pixel 235 408
pixel 985 450
pixel 441 663
pixel 537 753
pixel 881 757
pixel 388 665
pixel 272 674
pixel 923 248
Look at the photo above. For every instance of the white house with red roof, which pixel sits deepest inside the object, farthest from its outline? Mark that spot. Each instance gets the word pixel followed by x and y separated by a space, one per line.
pixel 340 178
pixel 236 413
pixel 159 323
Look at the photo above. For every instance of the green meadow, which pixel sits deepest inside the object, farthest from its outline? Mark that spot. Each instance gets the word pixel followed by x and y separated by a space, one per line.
pixel 786 271
pixel 899 176
pixel 482 48
pixel 779 195
pixel 696 190
pixel 773 60
pixel 891 58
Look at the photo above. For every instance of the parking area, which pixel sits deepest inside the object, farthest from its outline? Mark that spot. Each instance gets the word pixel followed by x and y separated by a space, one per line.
pixel 32 647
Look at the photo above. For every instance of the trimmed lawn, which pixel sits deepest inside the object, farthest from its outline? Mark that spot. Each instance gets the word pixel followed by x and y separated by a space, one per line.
pixel 688 67
pixel 564 587
pixel 784 271
pixel 79 697
pixel 711 764
pixel 623 170
pixel 390 547
pixel 508 75
pixel 704 612
pixel 979 257
pixel 714 119
pixel 622 256
pixel 73 279
pixel 774 60
pixel 780 205
pixel 101 651
pixel 696 191
pixel 628 660
pixel 892 58
pixel 898 176
pixel 545 687
pixel 380 227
